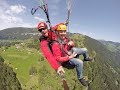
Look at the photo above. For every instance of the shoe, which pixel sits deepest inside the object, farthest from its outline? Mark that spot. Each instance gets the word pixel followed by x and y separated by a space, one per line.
pixel 88 59
pixel 84 82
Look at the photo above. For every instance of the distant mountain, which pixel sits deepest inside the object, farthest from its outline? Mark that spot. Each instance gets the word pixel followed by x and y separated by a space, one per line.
pixel 109 42
pixel 18 33
pixel 21 33
pixel 112 46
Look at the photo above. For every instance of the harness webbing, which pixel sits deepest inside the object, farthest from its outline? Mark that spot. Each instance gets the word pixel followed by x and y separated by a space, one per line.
pixel 44 6
pixel 61 47
pixel 69 4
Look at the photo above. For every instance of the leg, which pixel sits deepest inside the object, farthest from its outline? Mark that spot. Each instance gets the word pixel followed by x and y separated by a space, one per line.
pixel 67 65
pixel 79 66
pixel 80 51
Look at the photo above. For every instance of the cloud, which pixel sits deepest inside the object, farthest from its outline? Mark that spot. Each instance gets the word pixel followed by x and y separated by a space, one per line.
pixel 16 9
pixel 10 19
pixel 87 33
pixel 11 16
pixel 39 19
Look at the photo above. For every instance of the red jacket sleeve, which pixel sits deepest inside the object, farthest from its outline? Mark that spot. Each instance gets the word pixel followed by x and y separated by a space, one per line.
pixel 58 53
pixel 48 54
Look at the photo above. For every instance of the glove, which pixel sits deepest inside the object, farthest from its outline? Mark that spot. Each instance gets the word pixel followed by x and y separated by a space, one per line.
pixel 60 71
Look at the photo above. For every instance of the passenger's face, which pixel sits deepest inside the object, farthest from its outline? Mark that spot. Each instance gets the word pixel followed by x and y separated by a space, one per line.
pixel 61 34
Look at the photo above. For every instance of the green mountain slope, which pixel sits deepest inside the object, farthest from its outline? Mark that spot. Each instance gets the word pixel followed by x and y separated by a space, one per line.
pixel 8 80
pixel 34 72
pixel 106 72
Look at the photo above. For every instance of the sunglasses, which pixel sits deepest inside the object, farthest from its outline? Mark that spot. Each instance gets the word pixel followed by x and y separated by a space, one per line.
pixel 41 29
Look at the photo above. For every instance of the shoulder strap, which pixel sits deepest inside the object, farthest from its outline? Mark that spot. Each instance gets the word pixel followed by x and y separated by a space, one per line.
pixel 42 38
pixel 61 46
pixel 50 44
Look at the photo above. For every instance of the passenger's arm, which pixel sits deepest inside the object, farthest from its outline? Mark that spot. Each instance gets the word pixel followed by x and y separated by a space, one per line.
pixel 58 53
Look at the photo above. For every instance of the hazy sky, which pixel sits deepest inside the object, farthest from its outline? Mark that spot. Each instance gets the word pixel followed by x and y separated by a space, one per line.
pixel 99 19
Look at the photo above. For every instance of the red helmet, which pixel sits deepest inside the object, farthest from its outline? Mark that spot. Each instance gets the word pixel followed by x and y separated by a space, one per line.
pixel 42 25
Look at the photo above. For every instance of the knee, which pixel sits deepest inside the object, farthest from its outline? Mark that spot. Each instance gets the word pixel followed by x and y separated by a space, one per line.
pixel 74 49
pixel 85 49
pixel 80 62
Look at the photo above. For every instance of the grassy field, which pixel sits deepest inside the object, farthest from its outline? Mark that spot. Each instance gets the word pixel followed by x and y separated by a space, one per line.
pixel 21 60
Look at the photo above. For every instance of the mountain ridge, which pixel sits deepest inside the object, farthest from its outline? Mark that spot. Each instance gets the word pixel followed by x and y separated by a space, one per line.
pixel 18 33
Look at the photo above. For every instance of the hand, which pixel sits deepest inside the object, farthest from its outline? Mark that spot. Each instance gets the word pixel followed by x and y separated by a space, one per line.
pixel 69 53
pixel 60 70
pixel 71 43
pixel 73 55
